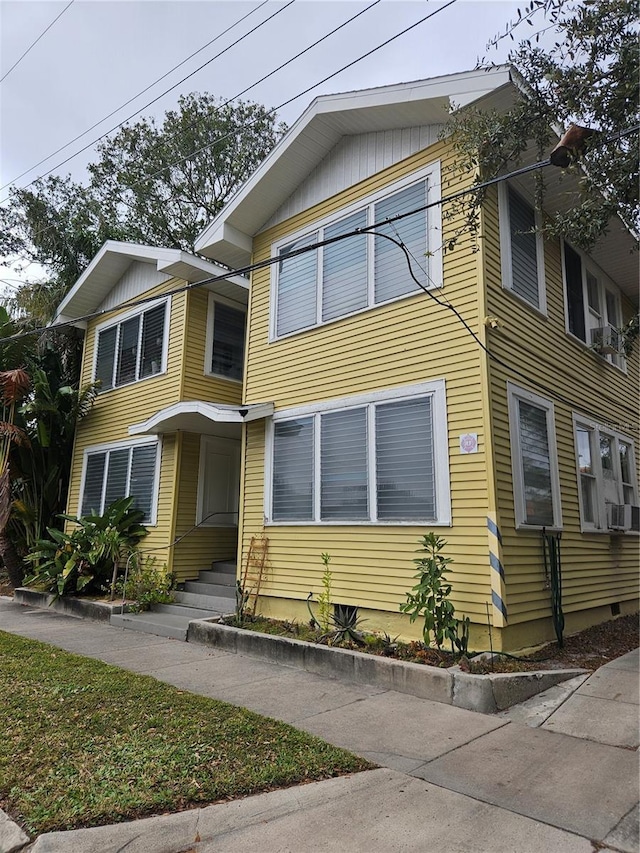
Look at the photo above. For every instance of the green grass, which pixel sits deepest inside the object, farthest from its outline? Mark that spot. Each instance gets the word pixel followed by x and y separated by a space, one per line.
pixel 86 744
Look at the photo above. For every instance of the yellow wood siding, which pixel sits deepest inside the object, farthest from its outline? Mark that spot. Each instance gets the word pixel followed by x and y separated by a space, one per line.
pixel 409 341
pixel 598 568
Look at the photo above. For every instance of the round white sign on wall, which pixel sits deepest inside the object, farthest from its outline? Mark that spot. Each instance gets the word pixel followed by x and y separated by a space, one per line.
pixel 469 442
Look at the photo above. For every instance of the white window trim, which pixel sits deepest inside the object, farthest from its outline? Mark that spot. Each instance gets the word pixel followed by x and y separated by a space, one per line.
pixel 207 441
pixel 433 261
pixel 504 216
pixel 122 318
pixel 208 346
pixel 435 389
pixel 606 285
pixel 515 393
pixel 125 445
pixel 600 526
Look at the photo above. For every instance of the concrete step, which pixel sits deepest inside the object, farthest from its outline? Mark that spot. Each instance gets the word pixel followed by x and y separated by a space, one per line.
pixel 218 604
pixel 223 578
pixel 214 589
pixel 184 610
pixel 227 566
pixel 160 624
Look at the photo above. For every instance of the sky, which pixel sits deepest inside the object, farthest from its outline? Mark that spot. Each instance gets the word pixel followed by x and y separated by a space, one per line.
pixel 101 53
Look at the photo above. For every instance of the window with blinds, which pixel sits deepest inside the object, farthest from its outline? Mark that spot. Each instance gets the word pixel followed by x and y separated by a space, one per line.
pixel 133 348
pixel 536 486
pixel 521 248
pixel 121 471
pixel 374 462
pixel 227 340
pixel 360 271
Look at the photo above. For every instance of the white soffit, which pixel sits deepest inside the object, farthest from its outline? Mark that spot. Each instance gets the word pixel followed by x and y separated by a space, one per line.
pixel 198 416
pixel 317 131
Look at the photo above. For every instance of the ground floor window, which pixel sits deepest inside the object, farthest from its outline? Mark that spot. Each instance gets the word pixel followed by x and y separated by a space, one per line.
pixel 606 473
pixel 363 459
pixel 534 460
pixel 121 470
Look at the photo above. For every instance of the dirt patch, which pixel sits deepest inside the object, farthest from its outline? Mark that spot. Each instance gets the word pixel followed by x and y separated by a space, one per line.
pixel 5 586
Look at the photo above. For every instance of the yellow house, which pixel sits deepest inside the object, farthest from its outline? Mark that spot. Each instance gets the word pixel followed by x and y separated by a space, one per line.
pixel 478 393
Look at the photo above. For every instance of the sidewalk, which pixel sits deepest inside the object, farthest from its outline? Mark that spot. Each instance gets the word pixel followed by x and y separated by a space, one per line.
pixel 450 779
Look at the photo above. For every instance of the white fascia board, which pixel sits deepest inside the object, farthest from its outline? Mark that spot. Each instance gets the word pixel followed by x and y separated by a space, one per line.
pixel 192 268
pixel 219 413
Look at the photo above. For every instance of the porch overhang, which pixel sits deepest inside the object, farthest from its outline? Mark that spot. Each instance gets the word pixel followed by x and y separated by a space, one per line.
pixel 199 416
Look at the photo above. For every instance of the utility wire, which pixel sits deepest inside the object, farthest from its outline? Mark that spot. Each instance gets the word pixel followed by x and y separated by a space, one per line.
pixel 34 43
pixel 150 103
pixel 133 98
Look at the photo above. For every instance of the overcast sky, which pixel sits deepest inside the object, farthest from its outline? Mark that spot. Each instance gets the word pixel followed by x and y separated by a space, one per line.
pixel 100 53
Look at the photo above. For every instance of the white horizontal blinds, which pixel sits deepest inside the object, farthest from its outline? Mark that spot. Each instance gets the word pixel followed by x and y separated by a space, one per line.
pixel 293 470
pixel 128 351
pixel 152 340
pixel 536 464
pixel 344 268
pixel 297 287
pixel 142 477
pixel 405 471
pixel 93 482
pixel 626 471
pixel 228 341
pixel 392 277
pixel 105 358
pixel 343 465
pixel 524 263
pixel 117 476
pixel 588 482
pixel 575 293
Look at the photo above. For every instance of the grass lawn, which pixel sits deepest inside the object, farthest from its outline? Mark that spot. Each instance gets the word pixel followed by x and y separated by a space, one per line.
pixel 84 744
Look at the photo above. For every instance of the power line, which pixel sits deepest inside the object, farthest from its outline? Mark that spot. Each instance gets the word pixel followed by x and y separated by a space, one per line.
pixel 33 44
pixel 150 103
pixel 134 97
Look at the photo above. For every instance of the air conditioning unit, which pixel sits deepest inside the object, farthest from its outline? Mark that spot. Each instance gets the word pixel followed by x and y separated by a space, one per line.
pixel 623 517
pixel 606 340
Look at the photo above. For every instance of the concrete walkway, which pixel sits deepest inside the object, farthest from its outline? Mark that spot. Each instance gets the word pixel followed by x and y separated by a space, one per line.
pixel 556 775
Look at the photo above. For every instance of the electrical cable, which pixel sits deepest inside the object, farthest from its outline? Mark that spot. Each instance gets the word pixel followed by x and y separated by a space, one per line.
pixel 133 98
pixel 33 44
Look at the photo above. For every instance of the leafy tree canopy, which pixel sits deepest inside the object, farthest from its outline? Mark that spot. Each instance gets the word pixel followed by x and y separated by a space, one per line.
pixel 158 184
pixel 589 76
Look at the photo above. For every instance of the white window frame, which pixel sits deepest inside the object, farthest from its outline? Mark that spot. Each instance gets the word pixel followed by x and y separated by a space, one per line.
pixel 504 214
pixel 515 393
pixel 434 389
pixel 125 445
pixel 208 348
pixel 600 505
pixel 208 442
pixel 117 323
pixel 432 262
pixel 605 285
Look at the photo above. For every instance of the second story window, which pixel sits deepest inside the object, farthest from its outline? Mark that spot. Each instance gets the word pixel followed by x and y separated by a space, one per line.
pixel 133 348
pixel 521 249
pixel 225 340
pixel 363 270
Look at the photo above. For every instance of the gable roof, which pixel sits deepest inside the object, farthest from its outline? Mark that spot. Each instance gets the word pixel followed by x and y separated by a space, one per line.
pixel 114 258
pixel 329 117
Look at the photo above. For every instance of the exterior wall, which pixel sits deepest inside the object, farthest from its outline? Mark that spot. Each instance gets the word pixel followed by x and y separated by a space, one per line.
pixel 408 341
pixel 598 569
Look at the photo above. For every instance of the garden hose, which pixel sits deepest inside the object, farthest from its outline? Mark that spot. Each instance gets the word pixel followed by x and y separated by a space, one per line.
pixel 553 573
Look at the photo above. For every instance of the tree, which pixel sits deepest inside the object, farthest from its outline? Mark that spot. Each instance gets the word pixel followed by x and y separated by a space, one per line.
pixel 588 77
pixel 158 185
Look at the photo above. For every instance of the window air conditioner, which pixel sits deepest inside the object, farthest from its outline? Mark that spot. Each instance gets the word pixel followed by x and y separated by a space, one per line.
pixel 606 340
pixel 623 517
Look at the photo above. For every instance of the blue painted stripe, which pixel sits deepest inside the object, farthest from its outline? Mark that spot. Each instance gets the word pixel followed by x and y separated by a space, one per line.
pixel 499 603
pixel 496 564
pixel 493 528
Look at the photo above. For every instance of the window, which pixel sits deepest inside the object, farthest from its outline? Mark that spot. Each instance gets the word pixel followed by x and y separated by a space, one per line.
pixel 224 355
pixel 606 472
pixel 381 458
pixel 363 270
pixel 536 487
pixel 218 482
pixel 118 471
pixel 133 348
pixel 521 248
pixel 593 306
